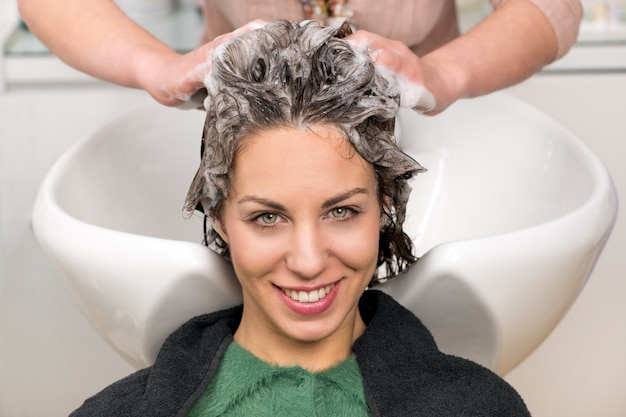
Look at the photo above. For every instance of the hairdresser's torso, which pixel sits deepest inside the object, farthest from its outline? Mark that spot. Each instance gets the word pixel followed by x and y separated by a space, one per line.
pixel 423 25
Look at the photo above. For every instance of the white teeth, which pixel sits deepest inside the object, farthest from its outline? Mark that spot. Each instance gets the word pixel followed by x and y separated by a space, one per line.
pixel 309 297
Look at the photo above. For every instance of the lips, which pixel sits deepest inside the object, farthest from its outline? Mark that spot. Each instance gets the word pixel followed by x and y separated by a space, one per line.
pixel 309 302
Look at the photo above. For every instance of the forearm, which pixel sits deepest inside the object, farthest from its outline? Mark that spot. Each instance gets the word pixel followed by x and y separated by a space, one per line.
pixel 507 47
pixel 95 37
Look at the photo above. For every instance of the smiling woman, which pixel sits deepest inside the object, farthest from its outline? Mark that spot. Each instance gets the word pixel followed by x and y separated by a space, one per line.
pixel 305 191
pixel 293 235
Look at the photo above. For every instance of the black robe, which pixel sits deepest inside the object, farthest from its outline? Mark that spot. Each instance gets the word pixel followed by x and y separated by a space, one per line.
pixel 404 374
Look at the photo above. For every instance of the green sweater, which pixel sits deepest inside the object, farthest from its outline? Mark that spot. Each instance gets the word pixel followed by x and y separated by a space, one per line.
pixel 246 386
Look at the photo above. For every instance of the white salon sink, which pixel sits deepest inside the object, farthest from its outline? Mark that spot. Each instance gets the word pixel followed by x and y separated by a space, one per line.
pixel 510 219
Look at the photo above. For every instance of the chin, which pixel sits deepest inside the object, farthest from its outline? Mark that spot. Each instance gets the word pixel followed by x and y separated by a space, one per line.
pixel 320 330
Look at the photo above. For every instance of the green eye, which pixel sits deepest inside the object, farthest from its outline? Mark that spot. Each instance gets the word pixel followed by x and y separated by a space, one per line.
pixel 339 212
pixel 268 218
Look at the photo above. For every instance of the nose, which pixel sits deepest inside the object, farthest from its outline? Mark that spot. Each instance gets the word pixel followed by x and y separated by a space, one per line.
pixel 308 253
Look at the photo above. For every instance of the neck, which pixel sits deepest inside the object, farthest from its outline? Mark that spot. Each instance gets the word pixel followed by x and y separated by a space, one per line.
pixel 314 356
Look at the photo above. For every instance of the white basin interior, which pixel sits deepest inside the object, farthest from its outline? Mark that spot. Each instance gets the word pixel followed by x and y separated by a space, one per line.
pixel 509 219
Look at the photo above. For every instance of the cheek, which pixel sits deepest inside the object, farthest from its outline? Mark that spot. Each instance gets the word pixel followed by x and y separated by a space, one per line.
pixel 252 255
pixel 359 247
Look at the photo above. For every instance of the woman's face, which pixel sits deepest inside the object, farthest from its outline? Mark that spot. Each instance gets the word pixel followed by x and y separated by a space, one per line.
pixel 302 224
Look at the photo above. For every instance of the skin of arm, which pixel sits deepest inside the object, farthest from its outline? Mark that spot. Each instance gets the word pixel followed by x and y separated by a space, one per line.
pixel 508 46
pixel 97 38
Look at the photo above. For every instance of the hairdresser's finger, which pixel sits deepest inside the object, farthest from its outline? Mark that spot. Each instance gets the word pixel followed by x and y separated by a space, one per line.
pixel 204 53
pixel 395 57
pixel 388 53
pixel 192 88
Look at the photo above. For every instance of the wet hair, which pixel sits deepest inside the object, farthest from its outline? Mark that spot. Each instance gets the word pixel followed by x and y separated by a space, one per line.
pixel 289 74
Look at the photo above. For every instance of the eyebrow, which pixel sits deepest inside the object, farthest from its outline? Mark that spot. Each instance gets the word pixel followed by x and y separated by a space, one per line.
pixel 277 206
pixel 343 196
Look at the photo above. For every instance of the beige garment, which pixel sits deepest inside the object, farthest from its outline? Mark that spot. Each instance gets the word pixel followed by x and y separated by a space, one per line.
pixel 423 25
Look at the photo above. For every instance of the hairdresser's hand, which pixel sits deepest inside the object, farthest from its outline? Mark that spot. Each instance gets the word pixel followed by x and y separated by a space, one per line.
pixel 178 80
pixel 421 85
pixel 508 46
